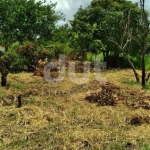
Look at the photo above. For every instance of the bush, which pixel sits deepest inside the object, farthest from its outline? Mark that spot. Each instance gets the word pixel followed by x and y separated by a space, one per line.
pixel 29 54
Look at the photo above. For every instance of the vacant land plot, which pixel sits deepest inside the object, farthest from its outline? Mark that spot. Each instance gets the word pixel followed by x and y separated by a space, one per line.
pixel 93 115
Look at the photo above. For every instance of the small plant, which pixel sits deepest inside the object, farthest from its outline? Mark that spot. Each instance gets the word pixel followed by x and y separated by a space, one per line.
pixel 146 147
pixel 131 82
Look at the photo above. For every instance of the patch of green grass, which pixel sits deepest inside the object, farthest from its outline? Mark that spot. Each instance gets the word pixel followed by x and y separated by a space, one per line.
pixel 1 94
pixel 131 82
pixel 117 146
pixel 135 83
pixel 18 86
pixel 32 101
pixel 143 143
pixel 146 147
pixel 147 87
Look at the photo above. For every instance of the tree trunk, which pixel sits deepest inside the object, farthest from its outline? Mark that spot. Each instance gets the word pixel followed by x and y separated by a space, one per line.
pixel 6 47
pixel 143 70
pixel 106 56
pixel 148 76
pixel 3 80
pixel 133 68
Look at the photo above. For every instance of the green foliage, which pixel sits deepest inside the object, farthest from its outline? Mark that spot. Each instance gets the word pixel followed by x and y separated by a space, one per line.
pixel 91 57
pixel 59 48
pixel 81 30
pixel 97 46
pixel 26 20
pixel 147 62
pixel 6 61
pixel 60 43
pixel 29 54
pixel 18 61
pixel 136 60
pixel 93 25
pixel 146 147
pixel 26 55
pixel 62 34
pixel 148 44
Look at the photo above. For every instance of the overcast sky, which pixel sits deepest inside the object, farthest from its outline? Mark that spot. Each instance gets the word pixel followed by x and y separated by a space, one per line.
pixel 69 7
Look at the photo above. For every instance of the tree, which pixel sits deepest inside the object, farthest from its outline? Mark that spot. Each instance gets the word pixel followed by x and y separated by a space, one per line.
pixel 22 20
pixel 140 35
pixel 141 38
pixel 5 64
pixel 124 40
pixel 99 20
pixel 60 44
pixel 21 56
pixel 81 31
pixel 62 34
pixel 29 53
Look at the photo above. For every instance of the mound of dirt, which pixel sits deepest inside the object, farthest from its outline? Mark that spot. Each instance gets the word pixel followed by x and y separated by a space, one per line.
pixel 138 120
pixel 109 94
pixel 106 95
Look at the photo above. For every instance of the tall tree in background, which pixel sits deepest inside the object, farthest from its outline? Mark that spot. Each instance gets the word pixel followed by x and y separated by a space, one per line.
pixel 22 20
pixel 123 41
pixel 102 18
pixel 60 43
pixel 138 35
pixel 81 31
pixel 123 22
pixel 141 38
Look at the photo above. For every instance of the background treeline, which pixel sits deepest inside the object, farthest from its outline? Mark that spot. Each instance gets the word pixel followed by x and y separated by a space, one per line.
pixel 29 32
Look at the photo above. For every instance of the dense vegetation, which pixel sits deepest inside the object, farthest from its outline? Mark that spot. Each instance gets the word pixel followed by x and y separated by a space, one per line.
pixel 108 28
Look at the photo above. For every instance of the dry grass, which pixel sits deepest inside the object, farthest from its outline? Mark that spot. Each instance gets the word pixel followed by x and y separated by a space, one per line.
pixel 56 116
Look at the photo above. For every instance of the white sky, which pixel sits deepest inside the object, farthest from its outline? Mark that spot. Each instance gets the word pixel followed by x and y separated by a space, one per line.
pixel 69 7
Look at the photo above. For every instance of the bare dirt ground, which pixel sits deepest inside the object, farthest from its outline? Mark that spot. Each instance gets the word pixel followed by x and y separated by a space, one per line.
pixel 68 116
